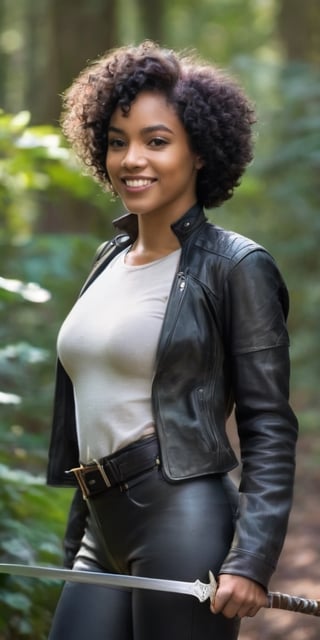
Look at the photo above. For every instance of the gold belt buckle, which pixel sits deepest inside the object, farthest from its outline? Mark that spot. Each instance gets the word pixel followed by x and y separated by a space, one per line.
pixel 80 473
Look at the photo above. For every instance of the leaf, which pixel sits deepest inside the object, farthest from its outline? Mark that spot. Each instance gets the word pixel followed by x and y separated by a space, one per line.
pixel 17 548
pixel 29 291
pixel 16 601
pixel 9 398
pixel 20 121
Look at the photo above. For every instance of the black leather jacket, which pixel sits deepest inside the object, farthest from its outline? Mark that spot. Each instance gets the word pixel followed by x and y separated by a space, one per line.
pixel 224 343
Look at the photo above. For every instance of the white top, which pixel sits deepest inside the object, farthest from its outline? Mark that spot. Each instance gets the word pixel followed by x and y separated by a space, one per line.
pixel 107 345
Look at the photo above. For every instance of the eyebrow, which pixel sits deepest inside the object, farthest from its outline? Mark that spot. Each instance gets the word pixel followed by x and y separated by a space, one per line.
pixel 151 129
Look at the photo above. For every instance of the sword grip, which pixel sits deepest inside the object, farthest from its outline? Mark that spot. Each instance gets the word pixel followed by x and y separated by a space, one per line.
pixel 284 601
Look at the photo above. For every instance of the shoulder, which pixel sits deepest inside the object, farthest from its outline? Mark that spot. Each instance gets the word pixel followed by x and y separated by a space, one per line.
pixel 246 278
pixel 227 245
pixel 113 246
pixel 245 260
pixel 236 265
pixel 228 251
pixel 103 256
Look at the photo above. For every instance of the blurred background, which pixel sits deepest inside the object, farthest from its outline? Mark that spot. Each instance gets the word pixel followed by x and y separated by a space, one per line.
pixel 52 218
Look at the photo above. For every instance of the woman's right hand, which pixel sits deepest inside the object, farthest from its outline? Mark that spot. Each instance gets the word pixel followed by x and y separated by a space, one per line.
pixel 238 596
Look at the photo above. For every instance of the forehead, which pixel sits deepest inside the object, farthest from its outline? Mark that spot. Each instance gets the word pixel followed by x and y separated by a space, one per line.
pixel 147 108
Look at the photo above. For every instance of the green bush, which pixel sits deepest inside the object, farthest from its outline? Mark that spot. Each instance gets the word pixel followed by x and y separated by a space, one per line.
pixel 40 277
pixel 32 525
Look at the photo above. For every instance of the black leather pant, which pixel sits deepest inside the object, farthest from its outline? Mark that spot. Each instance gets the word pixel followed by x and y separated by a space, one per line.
pixel 155 529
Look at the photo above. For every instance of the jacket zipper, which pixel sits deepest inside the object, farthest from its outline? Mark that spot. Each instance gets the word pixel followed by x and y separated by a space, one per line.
pixel 181 280
pixel 178 288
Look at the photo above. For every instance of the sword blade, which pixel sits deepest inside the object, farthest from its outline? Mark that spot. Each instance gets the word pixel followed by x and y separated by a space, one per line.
pixel 200 590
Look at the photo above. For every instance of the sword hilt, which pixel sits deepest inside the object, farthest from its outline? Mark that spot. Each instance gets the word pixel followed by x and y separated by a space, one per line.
pixel 203 590
pixel 276 600
pixel 293 603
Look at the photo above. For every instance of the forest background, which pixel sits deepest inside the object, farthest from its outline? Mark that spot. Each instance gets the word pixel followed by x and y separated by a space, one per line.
pixel 52 218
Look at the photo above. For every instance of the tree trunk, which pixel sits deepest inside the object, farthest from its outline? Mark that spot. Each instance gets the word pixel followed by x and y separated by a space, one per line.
pixel 299 28
pixel 3 62
pixel 71 34
pixel 76 33
pixel 152 13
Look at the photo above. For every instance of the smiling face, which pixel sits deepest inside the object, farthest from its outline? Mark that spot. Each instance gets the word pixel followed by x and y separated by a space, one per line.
pixel 149 160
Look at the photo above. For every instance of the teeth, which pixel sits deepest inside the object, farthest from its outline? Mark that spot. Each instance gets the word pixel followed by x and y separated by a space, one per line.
pixel 138 183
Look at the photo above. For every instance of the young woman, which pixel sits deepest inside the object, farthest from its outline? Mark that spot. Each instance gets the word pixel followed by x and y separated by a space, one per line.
pixel 179 321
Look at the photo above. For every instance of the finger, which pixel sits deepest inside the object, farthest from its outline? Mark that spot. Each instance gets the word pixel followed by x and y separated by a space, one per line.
pixel 249 610
pixel 251 613
pixel 223 603
pixel 219 601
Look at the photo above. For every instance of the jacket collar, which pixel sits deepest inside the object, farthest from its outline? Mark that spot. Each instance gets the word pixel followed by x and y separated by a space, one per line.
pixel 182 228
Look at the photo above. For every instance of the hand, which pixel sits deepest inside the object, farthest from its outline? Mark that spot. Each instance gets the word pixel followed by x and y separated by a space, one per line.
pixel 238 596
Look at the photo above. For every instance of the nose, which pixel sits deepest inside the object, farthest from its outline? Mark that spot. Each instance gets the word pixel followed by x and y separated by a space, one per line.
pixel 133 157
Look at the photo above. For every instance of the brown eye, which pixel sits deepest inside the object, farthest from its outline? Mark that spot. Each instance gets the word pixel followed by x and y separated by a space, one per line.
pixel 157 142
pixel 115 143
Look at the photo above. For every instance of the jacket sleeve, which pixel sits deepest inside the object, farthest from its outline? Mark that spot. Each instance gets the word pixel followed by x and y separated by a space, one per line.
pixel 259 353
pixel 75 528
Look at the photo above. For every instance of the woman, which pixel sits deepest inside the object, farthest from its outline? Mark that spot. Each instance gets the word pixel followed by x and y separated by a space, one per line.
pixel 178 322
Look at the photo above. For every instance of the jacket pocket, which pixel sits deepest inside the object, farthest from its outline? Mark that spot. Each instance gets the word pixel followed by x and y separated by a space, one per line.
pixel 207 427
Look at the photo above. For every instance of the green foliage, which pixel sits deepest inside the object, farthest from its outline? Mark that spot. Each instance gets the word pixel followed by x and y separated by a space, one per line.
pixel 278 203
pixel 220 30
pixel 40 276
pixel 38 172
pixel 32 526
pixel 24 155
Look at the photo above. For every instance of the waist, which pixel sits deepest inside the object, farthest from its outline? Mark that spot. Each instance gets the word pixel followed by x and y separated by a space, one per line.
pixel 117 469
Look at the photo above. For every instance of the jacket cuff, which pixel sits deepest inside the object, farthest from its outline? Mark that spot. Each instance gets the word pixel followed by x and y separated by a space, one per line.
pixel 248 565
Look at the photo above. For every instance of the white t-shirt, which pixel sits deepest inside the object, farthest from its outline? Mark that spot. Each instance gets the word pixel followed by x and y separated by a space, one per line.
pixel 107 345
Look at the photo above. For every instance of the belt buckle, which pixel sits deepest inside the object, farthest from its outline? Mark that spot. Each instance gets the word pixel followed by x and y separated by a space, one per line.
pixel 78 472
pixel 103 473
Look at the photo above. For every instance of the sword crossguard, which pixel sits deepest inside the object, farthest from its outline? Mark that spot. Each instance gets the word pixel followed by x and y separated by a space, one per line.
pixel 203 590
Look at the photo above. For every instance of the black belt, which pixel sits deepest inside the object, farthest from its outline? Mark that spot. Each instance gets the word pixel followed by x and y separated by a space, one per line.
pixel 117 469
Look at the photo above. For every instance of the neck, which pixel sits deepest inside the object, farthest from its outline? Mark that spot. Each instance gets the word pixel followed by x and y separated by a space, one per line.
pixel 153 242
pixel 161 238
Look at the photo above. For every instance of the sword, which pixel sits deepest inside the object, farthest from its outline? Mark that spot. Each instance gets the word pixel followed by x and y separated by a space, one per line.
pixel 201 590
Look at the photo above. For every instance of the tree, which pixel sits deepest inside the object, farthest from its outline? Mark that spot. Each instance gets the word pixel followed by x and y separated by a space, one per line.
pixel 299 28
pixel 75 34
pixel 152 19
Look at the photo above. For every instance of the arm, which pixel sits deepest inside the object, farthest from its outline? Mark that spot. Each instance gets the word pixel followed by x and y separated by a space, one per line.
pixel 267 427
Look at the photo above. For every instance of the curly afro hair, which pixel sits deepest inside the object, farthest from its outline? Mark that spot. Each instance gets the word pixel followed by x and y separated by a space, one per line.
pixel 216 114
